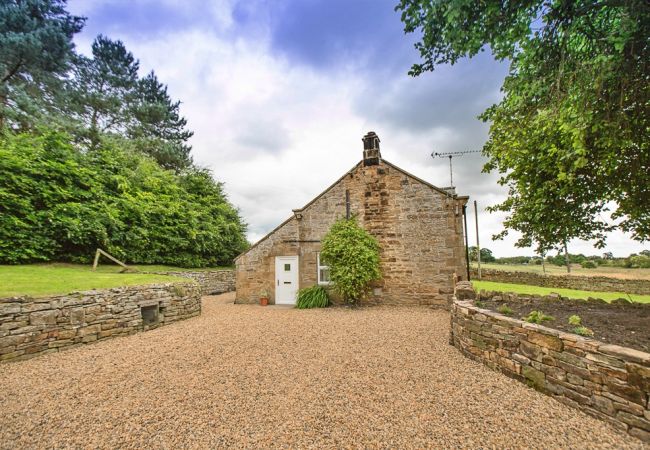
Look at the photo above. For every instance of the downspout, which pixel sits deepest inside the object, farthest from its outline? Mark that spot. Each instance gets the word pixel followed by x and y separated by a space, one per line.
pixel 466 240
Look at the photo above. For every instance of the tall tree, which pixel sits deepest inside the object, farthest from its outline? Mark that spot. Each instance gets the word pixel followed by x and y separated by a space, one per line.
pixel 103 90
pixel 571 136
pixel 158 128
pixel 35 52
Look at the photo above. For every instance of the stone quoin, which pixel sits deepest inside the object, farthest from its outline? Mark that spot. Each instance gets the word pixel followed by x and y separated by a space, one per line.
pixel 419 228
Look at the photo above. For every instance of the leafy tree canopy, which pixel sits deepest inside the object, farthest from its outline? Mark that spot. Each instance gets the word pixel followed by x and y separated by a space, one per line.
pixel 570 136
pixel 352 255
pixel 486 254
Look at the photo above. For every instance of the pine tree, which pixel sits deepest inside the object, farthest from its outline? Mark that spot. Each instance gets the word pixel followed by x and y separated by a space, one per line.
pixel 103 90
pixel 158 129
pixel 35 52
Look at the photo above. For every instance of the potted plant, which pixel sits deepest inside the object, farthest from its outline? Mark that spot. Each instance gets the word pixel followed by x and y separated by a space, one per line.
pixel 264 297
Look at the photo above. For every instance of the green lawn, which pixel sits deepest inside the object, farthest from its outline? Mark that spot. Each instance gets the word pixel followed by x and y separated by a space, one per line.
pixel 572 293
pixel 576 269
pixel 44 279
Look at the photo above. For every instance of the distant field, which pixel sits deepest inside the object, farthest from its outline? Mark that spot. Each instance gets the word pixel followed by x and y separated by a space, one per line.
pixel 572 293
pixel 576 269
pixel 45 279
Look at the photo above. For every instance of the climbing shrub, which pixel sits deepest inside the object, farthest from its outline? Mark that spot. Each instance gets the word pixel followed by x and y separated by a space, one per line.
pixel 352 255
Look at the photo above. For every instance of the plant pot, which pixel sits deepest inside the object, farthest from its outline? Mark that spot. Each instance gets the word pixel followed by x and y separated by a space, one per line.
pixel 264 301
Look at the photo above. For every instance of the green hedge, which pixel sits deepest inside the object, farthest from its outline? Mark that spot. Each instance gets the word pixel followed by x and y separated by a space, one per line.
pixel 58 203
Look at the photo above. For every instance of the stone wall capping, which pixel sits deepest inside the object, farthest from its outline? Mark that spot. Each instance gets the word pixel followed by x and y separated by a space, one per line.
pixel 626 353
pixel 539 328
pixel 211 282
pixel 609 382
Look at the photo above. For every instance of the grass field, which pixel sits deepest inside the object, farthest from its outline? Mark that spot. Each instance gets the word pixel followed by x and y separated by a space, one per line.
pixel 572 293
pixel 576 269
pixel 44 279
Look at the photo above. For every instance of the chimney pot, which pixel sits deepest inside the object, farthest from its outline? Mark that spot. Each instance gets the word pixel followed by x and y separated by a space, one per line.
pixel 371 154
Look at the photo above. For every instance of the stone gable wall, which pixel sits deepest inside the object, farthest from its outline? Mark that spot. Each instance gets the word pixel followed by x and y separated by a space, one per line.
pixel 419 230
pixel 34 326
pixel 211 282
pixel 606 381
pixel 585 283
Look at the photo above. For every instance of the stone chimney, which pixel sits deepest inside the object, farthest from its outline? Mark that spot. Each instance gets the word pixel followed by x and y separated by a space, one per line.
pixel 371 154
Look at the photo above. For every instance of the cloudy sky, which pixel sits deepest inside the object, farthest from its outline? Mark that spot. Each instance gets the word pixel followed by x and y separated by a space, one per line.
pixel 280 92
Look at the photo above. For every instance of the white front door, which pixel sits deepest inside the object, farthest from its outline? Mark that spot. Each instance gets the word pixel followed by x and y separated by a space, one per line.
pixel 286 280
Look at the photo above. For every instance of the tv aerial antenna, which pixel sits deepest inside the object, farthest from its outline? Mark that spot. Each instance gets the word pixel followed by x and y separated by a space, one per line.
pixel 451 155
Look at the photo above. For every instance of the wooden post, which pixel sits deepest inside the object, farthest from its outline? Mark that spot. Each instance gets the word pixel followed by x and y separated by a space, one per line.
pixel 115 260
pixel 466 241
pixel 566 257
pixel 96 260
pixel 478 245
pixel 347 204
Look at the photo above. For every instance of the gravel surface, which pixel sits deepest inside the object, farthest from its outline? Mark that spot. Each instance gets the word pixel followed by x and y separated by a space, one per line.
pixel 248 376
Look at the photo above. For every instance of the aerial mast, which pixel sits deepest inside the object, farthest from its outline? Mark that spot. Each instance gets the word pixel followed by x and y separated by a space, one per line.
pixel 450 155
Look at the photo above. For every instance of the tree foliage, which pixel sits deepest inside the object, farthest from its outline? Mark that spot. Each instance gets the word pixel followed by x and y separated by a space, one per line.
pixel 102 90
pixel 57 203
pixel 45 84
pixel 570 136
pixel 352 255
pixel 486 254
pixel 158 129
pixel 92 155
pixel 36 49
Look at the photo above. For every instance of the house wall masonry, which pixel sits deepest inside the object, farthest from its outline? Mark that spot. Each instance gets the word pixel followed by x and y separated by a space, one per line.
pixel 641 287
pixel 34 326
pixel 606 381
pixel 419 229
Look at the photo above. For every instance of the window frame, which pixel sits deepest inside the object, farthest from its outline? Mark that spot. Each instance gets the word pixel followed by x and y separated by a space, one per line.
pixel 318 269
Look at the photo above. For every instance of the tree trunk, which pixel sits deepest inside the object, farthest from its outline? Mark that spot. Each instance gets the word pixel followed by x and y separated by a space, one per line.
pixel 566 258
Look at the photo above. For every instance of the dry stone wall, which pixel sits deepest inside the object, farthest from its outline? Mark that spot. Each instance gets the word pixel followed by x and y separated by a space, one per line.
pixel 586 283
pixel 211 282
pixel 34 326
pixel 606 381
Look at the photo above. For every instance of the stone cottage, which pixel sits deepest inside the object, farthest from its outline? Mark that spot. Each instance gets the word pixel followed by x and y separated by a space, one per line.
pixel 419 228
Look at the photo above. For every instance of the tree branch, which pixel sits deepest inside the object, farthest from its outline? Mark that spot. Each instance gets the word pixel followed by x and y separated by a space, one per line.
pixel 12 72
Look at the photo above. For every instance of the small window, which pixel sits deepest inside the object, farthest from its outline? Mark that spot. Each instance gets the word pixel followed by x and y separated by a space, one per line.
pixel 149 315
pixel 287 267
pixel 323 272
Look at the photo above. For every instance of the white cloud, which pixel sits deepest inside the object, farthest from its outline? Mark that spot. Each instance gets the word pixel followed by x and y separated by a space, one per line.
pixel 278 133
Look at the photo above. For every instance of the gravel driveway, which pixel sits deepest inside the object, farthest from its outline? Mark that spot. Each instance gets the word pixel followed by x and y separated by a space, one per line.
pixel 247 376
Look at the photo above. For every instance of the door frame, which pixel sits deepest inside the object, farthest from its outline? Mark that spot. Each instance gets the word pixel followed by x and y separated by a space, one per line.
pixel 295 260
